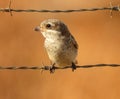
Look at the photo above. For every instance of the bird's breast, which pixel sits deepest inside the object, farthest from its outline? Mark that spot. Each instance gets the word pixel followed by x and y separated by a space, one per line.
pixel 53 45
pixel 60 52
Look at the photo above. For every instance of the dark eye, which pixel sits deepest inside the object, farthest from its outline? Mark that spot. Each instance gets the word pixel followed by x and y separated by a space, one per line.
pixel 48 26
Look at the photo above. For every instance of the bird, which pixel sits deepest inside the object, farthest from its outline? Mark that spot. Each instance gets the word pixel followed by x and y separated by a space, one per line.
pixel 61 46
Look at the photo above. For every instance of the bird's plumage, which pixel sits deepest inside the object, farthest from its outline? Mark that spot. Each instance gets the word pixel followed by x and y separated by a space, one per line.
pixel 60 45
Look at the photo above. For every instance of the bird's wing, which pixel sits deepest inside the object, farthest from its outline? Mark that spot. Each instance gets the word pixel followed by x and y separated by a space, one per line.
pixel 74 42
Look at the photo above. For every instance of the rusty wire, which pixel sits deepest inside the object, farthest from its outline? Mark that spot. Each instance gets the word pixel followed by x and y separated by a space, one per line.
pixel 48 67
pixel 10 10
pixel 114 8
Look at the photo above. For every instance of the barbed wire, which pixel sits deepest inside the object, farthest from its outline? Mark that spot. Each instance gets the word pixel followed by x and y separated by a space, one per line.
pixel 9 9
pixel 49 67
pixel 114 8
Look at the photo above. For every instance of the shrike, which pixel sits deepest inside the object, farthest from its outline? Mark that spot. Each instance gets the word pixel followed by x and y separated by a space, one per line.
pixel 60 45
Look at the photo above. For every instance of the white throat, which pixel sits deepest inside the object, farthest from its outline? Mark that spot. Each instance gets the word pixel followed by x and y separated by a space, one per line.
pixel 52 35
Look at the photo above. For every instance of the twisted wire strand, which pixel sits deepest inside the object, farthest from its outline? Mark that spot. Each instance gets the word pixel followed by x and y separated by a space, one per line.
pixel 49 67
pixel 114 8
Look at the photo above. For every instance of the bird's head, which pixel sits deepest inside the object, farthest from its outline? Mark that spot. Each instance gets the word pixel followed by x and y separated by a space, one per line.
pixel 53 28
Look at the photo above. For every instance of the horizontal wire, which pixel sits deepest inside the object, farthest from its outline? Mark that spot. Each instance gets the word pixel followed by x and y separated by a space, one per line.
pixel 49 67
pixel 115 8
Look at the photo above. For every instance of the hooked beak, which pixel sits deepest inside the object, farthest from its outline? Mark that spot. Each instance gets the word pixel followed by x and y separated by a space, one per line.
pixel 37 28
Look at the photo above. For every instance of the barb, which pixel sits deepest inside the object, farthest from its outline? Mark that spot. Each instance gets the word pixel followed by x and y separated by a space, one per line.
pixel 48 67
pixel 113 8
pixel 111 11
pixel 9 7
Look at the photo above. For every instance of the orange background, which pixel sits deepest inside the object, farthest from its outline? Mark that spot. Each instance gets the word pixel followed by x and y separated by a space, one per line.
pixel 97 34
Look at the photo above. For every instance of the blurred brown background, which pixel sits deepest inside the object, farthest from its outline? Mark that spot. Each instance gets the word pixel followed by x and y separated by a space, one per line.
pixel 98 36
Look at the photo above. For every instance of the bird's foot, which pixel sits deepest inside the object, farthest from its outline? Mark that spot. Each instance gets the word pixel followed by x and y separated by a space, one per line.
pixel 73 66
pixel 52 68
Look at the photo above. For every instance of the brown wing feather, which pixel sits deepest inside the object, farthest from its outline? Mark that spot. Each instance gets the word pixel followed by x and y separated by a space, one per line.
pixel 74 42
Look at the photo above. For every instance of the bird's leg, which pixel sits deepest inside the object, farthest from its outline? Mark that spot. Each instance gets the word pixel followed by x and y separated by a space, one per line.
pixel 52 68
pixel 73 66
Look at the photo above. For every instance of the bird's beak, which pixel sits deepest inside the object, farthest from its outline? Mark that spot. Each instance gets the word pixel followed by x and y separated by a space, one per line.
pixel 37 28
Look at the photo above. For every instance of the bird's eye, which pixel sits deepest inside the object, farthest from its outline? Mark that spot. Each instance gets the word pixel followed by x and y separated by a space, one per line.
pixel 48 26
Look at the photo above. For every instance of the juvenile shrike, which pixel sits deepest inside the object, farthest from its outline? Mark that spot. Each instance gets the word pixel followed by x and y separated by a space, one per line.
pixel 60 45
